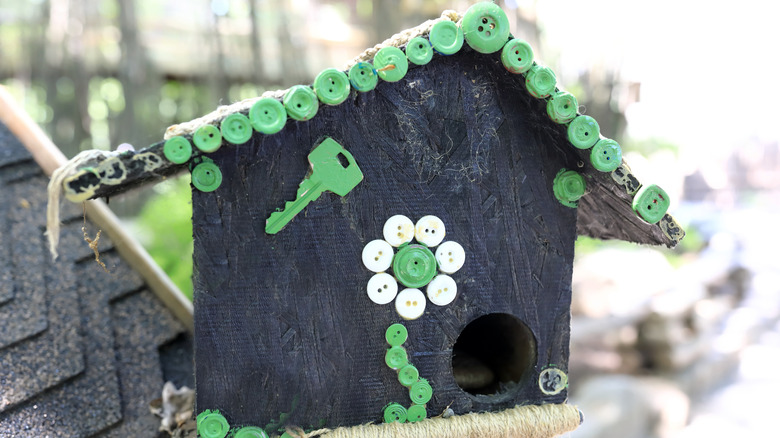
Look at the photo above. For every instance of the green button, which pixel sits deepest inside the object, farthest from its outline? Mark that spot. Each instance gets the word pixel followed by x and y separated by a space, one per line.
pixel 419 51
pixel 250 432
pixel 332 86
pixel 606 155
pixel 207 138
pixel 414 266
pixel 268 116
pixel 396 335
pixel 517 56
pixel 562 107
pixel 485 27
pixel 212 424
pixel 568 187
pixel 391 64
pixel 206 177
pixel 236 128
pixel 408 375
pixel 540 81
pixel 416 413
pixel 446 37
pixel 651 203
pixel 583 132
pixel 177 150
pixel 395 413
pixel 420 392
pixel 301 102
pixel 396 358
pixel 363 77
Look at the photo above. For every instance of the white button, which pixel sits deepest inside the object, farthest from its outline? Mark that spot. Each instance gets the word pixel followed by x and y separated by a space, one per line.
pixel 410 303
pixel 429 230
pixel 377 255
pixel 382 288
pixel 442 290
pixel 398 230
pixel 450 256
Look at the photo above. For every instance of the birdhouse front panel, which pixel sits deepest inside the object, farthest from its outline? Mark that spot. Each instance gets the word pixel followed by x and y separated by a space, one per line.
pixel 429 203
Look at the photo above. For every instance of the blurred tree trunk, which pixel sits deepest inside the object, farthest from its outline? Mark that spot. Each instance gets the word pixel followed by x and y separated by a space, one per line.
pixel 257 48
pixel 133 74
pixel 387 20
pixel 218 81
pixel 293 56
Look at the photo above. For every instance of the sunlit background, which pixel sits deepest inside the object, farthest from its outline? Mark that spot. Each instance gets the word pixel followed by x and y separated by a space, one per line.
pixel 665 343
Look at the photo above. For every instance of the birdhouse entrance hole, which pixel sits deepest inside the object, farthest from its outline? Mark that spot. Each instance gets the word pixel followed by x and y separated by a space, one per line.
pixel 493 355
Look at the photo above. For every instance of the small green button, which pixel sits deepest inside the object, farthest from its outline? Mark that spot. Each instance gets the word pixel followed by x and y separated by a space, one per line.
pixel 517 56
pixel 485 27
pixel 651 203
pixel 396 358
pixel 583 132
pixel 332 86
pixel 420 392
pixel 177 150
pixel 416 413
pixel 268 116
pixel 562 107
pixel 206 177
pixel 408 375
pixel 250 432
pixel 540 81
pixel 391 64
pixel 301 102
pixel 363 77
pixel 414 266
pixel 606 155
pixel 211 424
pixel 396 335
pixel 395 413
pixel 236 128
pixel 207 138
pixel 568 187
pixel 446 37
pixel 419 51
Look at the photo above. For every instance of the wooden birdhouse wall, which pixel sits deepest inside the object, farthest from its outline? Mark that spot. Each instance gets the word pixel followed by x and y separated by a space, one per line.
pixel 284 326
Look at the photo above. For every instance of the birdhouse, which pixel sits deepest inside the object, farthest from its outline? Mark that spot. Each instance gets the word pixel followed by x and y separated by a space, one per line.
pixel 392 245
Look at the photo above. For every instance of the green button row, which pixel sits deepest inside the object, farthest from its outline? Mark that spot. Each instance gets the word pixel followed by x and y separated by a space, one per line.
pixel 517 56
pixel 396 358
pixel 562 107
pixel 568 187
pixel 408 375
pixel 583 132
pixel 485 27
pixel 606 155
pixel 396 335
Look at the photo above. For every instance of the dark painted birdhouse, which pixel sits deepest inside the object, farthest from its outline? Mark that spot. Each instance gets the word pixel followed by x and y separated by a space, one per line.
pixel 394 242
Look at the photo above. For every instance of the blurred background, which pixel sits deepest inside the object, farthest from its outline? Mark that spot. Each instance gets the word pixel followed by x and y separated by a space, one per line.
pixel 665 343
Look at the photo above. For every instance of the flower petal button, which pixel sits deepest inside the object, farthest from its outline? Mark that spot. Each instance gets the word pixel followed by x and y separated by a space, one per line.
pixel 429 231
pixel 382 288
pixel 398 230
pixel 410 303
pixel 450 256
pixel 377 255
pixel 442 290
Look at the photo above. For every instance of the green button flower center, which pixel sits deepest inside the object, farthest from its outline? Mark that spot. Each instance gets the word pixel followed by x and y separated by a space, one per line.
pixel 414 266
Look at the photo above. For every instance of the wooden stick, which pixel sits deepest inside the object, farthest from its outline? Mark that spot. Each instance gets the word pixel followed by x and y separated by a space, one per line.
pixel 49 157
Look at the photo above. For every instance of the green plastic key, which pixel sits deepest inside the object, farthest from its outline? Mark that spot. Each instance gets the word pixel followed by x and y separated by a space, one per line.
pixel 333 169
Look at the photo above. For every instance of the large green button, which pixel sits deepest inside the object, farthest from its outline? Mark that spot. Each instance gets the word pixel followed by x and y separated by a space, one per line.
pixel 420 392
pixel 446 37
pixel 391 64
pixel 414 266
pixel 212 424
pixel 408 375
pixel 177 150
pixel 236 128
pixel 206 177
pixel 416 413
pixel 485 27
pixel 419 51
pixel 395 413
pixel 583 132
pixel 396 358
pixel 207 138
pixel 250 432
pixel 540 81
pixel 606 155
pixel 517 56
pixel 396 335
pixel 268 116
pixel 562 107
pixel 331 86
pixel 363 77
pixel 301 102
pixel 568 187
pixel 651 203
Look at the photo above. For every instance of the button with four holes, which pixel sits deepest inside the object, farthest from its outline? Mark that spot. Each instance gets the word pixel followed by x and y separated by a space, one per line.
pixel 442 290
pixel 396 358
pixel 377 255
pixel 396 334
pixel 206 177
pixel 429 230
pixel 420 392
pixel 540 81
pixel 419 51
pixel 268 116
pixel 363 77
pixel 517 56
pixel 236 128
pixel 450 257
pixel 391 64
pixel 583 132
pixel 485 27
pixel 606 155
pixel 382 288
pixel 398 230
pixel 301 102
pixel 207 138
pixel 446 37
pixel 408 375
pixel 562 107
pixel 410 303
pixel 177 149
pixel 331 86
